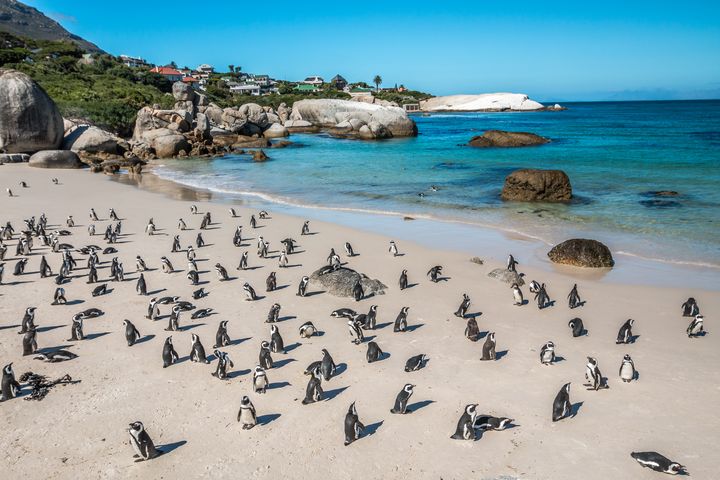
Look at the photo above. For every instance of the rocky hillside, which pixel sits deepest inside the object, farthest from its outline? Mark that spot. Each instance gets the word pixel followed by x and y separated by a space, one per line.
pixel 25 21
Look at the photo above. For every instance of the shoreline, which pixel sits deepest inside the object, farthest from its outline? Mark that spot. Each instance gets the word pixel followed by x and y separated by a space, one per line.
pixel 451 235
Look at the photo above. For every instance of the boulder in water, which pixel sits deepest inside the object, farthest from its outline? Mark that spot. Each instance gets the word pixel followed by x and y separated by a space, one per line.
pixel 340 282
pixel 531 185
pixel 581 252
pixel 501 138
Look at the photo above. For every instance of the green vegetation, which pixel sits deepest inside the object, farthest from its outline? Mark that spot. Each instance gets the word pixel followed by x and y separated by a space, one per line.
pixel 407 96
pixel 99 88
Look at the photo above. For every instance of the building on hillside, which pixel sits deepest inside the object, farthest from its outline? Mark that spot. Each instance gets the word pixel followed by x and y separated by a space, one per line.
pixel 358 91
pixel 192 81
pixel 245 89
pixel 306 88
pixel 339 82
pixel 168 72
pixel 205 70
pixel 411 107
pixel 133 62
pixel 314 80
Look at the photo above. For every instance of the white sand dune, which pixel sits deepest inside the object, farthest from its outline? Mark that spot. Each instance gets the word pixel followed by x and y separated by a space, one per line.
pixel 79 431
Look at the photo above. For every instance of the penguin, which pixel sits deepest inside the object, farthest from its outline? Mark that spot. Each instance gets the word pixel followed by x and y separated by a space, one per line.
pixel 276 341
pixel 190 253
pixel 401 320
pixel 199 240
pixel 91 229
pixel 658 462
pixel 28 320
pixel 150 228
pixel 55 181
pixel 249 292
pixel 534 287
pixel 625 334
pixel 174 320
pixel 193 209
pixel 353 427
pixel 29 341
pixel 373 352
pixel 305 228
pixel 20 267
pixel 166 265
pixel 169 355
pixel 246 414
pixel 263 214
pixel 464 306
pixel 113 216
pixel 464 429
pixel 140 265
pixel 232 213
pixel 70 222
pixel 194 277
pixel 265 359
pixel 488 422
pixel 488 349
pixel 9 192
pixel 260 380
pixel 55 356
pixel 327 366
pixel 562 408
pixel 344 313
pixel 153 311
pixel 289 245
pixel 627 369
pixel 434 273
pixel 371 318
pixel 271 282
pixel 9 388
pixel 274 313
pixel 181 226
pixel 91 313
pixel 593 375
pixel 243 261
pixel 574 298
pixel 690 308
pixel 59 297
pixel 141 442
pixel 131 333
pixel 415 363
pixel 403 280
pixel 313 391
pixel 45 270
pixel 547 353
pixel 356 332
pixel 221 272
pixel 168 300
pixel 201 313
pixel 472 331
pixel 393 248
pixel 302 287
pixel 357 291
pixel 307 330
pixel 349 249
pixel 141 286
pixel 253 222
pixel 2 268
pixel 577 327
pixel 92 275
pixel 197 351
pixel 696 329
pixel 199 293
pixel 284 261
pixel 100 290
pixel 512 263
pixel 517 294
pixel 222 366
pixel 76 332
pixel 222 339
pixel 402 398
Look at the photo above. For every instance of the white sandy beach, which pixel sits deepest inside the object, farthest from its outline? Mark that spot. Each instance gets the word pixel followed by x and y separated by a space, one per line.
pixel 79 431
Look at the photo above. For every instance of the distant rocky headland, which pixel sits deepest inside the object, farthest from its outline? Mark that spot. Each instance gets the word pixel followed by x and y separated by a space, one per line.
pixel 484 102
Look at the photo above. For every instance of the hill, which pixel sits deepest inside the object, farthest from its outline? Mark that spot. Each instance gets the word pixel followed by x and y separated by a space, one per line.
pixel 22 20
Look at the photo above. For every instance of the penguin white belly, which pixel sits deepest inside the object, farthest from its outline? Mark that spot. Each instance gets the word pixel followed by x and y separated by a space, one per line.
pixel 626 372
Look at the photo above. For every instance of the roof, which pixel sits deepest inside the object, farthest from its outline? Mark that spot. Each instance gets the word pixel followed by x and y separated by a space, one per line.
pixel 314 78
pixel 190 80
pixel 205 66
pixel 168 71
pixel 338 78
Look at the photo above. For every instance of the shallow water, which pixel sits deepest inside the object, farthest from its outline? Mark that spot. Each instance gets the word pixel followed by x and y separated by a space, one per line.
pixel 614 154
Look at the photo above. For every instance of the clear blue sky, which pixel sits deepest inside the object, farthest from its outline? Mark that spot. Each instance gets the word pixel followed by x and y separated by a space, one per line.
pixel 551 50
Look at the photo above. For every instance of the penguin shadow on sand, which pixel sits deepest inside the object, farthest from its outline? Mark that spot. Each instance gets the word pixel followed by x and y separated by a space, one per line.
pixel 575 408
pixel 156 292
pixel 292 346
pixel 286 318
pixel 191 326
pixel 144 339
pixel 380 326
pixel 278 385
pixel 167 448
pixel 46 350
pixel 280 287
pixel 312 294
pixel 47 329
pixel 237 373
pixel 8 327
pixel 414 407
pixel 371 429
pixel 331 394
pixel 340 368
pixel 412 328
pixel 473 315
pixel 93 336
pixel 76 302
pixel 499 355
pixel 579 304
pixel 283 362
pixel 263 420
pixel 237 341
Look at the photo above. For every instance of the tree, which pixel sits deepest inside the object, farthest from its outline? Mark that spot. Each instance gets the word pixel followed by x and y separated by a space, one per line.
pixel 231 68
pixel 173 64
pixel 377 81
pixel 238 69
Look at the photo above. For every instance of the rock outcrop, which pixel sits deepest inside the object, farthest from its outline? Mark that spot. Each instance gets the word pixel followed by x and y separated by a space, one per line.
pixel 486 102
pixel 582 252
pixel 506 276
pixel 530 185
pixel 275 131
pixel 354 119
pixel 501 138
pixel 341 282
pixel 55 159
pixel 29 119
pixel 14 158
pixel 87 139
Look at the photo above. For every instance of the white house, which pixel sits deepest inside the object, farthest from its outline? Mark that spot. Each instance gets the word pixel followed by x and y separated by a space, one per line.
pixel 245 89
pixel 314 80
pixel 133 61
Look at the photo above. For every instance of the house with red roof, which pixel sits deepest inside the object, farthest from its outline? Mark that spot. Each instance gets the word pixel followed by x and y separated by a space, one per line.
pixel 168 72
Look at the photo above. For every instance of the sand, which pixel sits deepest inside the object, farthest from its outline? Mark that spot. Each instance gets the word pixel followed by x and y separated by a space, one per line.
pixel 80 430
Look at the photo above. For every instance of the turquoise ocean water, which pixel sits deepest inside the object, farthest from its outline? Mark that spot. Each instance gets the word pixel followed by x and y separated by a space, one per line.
pixel 614 153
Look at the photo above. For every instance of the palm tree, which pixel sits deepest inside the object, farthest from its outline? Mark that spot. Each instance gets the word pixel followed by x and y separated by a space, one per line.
pixel 377 81
pixel 231 68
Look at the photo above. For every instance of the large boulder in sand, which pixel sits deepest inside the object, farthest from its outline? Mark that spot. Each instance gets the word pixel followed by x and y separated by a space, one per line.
pixel 501 138
pixel 328 113
pixel 530 185
pixel 89 139
pixel 581 252
pixel 507 276
pixel 170 145
pixel 340 282
pixel 275 131
pixel 29 119
pixel 55 159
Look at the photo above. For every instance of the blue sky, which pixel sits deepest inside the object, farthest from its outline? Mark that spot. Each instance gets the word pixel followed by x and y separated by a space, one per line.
pixel 553 50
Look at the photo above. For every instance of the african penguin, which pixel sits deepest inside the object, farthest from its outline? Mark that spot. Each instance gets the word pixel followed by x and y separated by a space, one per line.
pixel 465 429
pixel 401 401
pixel 353 427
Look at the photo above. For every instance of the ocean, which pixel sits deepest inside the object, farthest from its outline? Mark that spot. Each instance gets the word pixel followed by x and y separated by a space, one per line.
pixel 615 153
